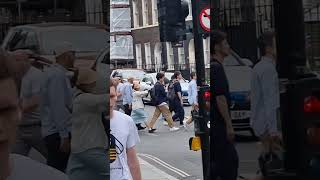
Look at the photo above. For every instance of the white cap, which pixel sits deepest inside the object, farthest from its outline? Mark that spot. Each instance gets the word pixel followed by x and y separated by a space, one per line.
pixel 63 48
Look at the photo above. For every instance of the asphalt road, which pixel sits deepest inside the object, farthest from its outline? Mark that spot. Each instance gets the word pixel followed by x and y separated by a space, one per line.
pixel 169 151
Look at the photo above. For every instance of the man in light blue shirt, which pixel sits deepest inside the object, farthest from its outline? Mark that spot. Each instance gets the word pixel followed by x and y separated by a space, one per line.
pixel 56 108
pixel 128 96
pixel 192 97
pixel 265 96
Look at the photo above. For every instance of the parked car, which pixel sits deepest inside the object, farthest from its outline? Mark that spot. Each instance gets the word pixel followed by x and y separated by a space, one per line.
pixel 87 40
pixel 102 66
pixel 238 71
pixel 125 73
pixel 150 79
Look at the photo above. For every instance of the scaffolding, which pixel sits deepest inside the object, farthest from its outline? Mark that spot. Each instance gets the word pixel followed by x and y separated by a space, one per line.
pixel 121 41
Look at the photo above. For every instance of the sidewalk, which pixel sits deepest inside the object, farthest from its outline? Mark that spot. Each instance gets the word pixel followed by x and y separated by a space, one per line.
pixel 149 172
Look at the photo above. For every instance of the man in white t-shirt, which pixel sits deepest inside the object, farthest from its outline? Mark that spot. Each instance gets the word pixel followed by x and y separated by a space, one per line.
pixel 16 167
pixel 124 163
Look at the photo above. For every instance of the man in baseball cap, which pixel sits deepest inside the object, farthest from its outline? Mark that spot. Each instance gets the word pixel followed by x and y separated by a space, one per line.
pixel 65 54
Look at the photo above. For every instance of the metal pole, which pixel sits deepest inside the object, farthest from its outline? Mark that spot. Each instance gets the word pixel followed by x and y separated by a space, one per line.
pixel 200 70
pixel 291 54
pixel 55 7
pixel 19 10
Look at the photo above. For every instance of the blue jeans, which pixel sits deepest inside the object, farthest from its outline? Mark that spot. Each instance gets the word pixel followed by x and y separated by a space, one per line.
pixel 91 164
pixel 139 116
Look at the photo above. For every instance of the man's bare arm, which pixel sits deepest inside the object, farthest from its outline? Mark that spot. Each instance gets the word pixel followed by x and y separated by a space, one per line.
pixel 180 97
pixel 224 109
pixel 133 163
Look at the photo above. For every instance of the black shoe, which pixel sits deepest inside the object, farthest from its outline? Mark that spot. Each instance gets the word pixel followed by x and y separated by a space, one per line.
pixel 140 128
pixel 152 130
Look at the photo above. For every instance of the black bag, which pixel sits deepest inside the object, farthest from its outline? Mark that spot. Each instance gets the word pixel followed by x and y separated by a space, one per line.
pixel 172 92
pixel 153 94
pixel 271 162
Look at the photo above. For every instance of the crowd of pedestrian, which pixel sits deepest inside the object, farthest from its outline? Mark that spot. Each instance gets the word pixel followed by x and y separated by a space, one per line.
pixel 127 96
pixel 166 97
pixel 59 115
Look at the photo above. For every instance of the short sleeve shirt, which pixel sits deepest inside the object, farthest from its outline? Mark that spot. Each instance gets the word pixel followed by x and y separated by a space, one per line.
pixel 220 87
pixel 31 85
pixel 177 88
pixel 126 136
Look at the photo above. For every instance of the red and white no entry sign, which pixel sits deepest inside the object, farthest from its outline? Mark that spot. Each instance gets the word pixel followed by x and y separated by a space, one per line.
pixel 205 19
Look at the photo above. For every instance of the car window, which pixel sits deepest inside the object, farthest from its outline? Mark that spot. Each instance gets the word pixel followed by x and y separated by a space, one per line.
pixel 17 40
pixel 148 79
pixel 31 39
pixel 92 40
pixel 137 74
pixel 24 39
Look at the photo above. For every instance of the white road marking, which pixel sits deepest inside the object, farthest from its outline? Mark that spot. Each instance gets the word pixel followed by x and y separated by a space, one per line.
pixel 165 165
pixel 154 169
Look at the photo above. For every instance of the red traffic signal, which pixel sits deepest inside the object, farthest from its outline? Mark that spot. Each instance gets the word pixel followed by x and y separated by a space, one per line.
pixel 311 105
pixel 207 95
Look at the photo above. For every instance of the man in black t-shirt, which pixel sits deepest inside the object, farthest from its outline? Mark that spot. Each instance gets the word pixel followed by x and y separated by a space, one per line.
pixel 177 102
pixel 224 161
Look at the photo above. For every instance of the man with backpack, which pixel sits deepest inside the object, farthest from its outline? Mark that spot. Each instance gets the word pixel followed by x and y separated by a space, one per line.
pixel 175 98
pixel 159 99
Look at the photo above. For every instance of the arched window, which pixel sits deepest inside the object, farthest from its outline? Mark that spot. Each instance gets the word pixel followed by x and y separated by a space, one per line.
pixel 138 56
pixel 170 57
pixel 154 12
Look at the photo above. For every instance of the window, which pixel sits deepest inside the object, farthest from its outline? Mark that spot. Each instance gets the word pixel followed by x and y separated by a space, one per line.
pixel 145 17
pixel 170 56
pixel 135 13
pixel 148 79
pixel 83 40
pixel 147 50
pixel 181 55
pixel 154 12
pixel 138 56
pixel 206 47
pixel 22 39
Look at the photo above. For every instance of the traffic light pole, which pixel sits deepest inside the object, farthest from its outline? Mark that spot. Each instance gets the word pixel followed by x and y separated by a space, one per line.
pixel 200 70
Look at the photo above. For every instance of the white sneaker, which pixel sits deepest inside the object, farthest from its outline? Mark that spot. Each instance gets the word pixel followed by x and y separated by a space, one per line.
pixel 185 125
pixel 165 123
pixel 174 129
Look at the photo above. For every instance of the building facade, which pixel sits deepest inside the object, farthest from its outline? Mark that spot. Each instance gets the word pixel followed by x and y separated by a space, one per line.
pixel 152 55
pixel 121 48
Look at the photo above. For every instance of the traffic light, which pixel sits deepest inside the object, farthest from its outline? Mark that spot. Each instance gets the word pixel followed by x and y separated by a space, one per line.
pixel 172 15
pixel 301 125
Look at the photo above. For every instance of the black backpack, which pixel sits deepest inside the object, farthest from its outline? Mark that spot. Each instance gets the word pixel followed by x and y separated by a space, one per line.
pixel 153 95
pixel 171 92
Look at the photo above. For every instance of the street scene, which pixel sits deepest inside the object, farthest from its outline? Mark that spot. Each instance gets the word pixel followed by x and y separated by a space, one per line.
pixel 249 57
pixel 53 78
